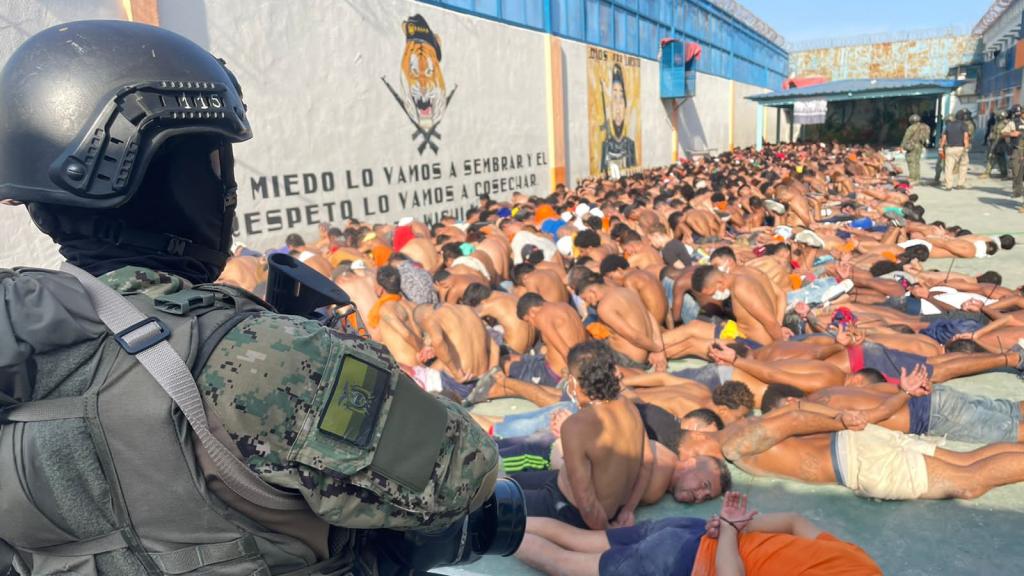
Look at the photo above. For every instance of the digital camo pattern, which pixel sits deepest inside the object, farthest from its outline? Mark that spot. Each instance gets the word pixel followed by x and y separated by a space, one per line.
pixel 133 279
pixel 268 382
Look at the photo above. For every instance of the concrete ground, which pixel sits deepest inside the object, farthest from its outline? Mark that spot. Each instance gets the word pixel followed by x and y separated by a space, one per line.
pixel 920 538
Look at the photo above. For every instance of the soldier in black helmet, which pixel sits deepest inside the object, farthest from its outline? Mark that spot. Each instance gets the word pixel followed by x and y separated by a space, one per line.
pixel 1013 131
pixel 173 426
pixel 997 146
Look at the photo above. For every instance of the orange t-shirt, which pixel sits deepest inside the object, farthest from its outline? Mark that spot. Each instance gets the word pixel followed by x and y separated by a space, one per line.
pixel 768 554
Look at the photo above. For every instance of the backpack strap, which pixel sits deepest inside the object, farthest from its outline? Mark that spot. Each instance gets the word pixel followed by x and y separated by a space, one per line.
pixel 146 339
pixel 44 410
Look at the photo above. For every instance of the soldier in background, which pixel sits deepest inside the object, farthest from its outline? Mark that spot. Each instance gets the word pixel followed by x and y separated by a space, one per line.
pixel 996 146
pixel 940 162
pixel 914 141
pixel 969 123
pixel 1013 129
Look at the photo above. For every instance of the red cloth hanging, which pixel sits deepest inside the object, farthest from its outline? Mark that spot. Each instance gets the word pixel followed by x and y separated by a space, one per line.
pixel 801 82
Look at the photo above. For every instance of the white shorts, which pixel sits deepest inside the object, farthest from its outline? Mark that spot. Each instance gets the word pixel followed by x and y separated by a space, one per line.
pixel 880 463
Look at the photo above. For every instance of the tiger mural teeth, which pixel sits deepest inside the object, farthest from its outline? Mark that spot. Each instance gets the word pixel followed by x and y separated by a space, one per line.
pixel 423 95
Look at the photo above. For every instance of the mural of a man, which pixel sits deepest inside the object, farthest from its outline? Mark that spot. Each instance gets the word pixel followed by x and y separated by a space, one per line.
pixel 617 148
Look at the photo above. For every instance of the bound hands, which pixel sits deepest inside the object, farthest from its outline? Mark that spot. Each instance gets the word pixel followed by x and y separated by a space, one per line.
pixel 557 419
pixel 848 338
pixel 623 519
pixel 972 305
pixel 721 354
pixel 916 383
pixel 734 513
pixel 659 360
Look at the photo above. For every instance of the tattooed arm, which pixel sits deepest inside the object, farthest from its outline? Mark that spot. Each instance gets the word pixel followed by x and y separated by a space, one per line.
pixel 755 435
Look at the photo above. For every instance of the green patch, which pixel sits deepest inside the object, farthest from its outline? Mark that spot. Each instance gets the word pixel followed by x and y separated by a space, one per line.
pixel 355 402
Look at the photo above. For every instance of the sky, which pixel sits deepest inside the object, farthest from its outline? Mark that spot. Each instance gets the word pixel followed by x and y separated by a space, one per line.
pixel 801 20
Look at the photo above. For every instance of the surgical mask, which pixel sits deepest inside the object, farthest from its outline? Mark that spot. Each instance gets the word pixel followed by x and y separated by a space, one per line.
pixel 571 392
pixel 721 295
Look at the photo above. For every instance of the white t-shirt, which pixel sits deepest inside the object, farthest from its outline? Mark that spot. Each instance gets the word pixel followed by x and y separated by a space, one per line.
pixel 524 237
pixel 916 242
pixel 956 299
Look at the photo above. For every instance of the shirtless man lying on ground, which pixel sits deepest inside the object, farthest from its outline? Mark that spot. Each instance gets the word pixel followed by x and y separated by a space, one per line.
pixel 874 462
pixel 945 413
pixel 734 541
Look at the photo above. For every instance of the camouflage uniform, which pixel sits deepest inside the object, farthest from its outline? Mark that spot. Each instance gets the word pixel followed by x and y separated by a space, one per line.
pixel 996 149
pixel 914 141
pixel 267 383
pixel 940 162
pixel 1017 160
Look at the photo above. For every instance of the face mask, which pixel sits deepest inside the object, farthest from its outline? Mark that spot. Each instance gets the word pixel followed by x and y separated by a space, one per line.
pixel 723 269
pixel 570 390
pixel 721 295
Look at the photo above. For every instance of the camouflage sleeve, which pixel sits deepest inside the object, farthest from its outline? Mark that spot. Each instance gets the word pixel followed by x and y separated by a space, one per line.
pixel 908 139
pixel 272 382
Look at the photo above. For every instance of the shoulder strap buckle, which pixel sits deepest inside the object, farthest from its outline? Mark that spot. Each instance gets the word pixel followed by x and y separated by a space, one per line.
pixel 133 343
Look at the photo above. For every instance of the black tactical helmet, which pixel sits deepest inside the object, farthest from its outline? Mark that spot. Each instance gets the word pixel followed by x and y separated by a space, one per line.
pixel 88 109
pixel 84 105
pixel 1015 110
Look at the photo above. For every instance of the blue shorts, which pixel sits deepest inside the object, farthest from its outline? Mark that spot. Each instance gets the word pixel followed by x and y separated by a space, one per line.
pixel 889 361
pixel 665 547
pixel 971 418
pixel 711 375
pixel 533 368
pixel 527 423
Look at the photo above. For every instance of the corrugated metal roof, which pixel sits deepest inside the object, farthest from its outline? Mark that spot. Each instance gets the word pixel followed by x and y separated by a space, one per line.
pixel 860 89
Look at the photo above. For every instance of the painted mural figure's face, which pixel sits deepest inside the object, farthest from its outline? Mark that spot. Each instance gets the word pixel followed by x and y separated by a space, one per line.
pixel 618 108
pixel 423 83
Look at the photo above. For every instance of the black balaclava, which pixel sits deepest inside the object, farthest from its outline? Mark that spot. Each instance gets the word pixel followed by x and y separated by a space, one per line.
pixel 180 195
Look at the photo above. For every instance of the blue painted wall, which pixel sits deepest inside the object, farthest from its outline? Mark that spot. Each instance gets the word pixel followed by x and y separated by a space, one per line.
pixel 730 48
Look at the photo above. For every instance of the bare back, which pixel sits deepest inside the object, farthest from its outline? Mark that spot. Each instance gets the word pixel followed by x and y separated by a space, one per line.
pixel 468 343
pixel 422 251
pixel 604 449
pixel 622 309
pixel 560 329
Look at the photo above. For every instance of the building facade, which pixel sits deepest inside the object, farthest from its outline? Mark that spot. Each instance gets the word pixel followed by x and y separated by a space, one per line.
pixel 1001 64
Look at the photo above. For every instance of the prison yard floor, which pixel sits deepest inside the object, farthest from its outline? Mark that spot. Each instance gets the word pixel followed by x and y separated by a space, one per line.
pixel 919 538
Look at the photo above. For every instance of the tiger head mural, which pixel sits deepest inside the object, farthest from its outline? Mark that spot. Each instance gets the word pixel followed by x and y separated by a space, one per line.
pixel 422 93
pixel 422 80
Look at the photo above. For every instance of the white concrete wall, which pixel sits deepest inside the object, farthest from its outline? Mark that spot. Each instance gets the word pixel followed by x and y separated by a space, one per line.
pixel 577 123
pixel 704 118
pixel 657 119
pixel 22 243
pixel 744 115
pixel 312 74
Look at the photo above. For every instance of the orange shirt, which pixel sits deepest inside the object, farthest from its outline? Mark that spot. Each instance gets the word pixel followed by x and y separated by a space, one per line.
pixel 766 554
